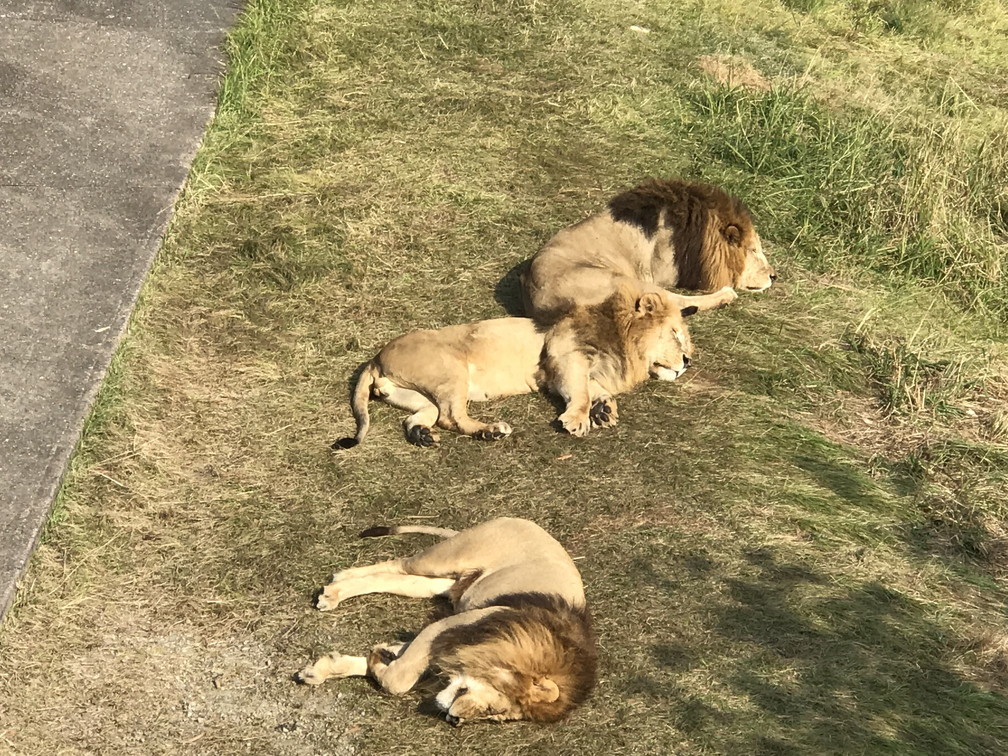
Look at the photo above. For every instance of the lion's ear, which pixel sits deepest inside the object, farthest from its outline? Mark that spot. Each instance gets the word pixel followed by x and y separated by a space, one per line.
pixel 545 691
pixel 687 311
pixel 648 303
pixel 733 234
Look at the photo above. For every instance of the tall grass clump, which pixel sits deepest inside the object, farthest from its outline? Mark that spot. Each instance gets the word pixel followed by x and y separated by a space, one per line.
pixel 914 378
pixel 860 190
pixel 922 20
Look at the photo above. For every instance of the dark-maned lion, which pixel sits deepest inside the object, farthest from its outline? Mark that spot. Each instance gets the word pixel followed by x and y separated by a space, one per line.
pixel 587 357
pixel 520 643
pixel 666 233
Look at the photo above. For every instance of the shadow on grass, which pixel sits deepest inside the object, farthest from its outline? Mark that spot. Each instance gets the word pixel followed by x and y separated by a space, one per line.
pixel 944 498
pixel 507 292
pixel 843 480
pixel 942 503
pixel 814 667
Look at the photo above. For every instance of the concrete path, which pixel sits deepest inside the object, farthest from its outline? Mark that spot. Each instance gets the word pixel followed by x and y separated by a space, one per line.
pixel 102 106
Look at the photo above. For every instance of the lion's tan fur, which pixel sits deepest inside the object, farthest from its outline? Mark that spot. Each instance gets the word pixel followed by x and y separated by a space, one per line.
pixel 434 373
pixel 520 643
pixel 665 233
pixel 588 356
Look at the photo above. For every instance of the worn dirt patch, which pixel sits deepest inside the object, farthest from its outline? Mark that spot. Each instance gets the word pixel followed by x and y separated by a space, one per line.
pixel 734 71
pixel 141 690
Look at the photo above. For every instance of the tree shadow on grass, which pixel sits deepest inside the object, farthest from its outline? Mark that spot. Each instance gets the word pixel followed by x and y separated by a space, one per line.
pixel 835 469
pixel 864 668
pixel 936 518
pixel 821 668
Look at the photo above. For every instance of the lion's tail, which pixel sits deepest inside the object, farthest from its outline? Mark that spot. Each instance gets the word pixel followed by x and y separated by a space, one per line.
pixel 389 530
pixel 359 405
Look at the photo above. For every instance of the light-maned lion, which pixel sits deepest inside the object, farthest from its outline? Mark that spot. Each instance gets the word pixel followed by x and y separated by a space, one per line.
pixel 587 357
pixel 520 643
pixel 666 233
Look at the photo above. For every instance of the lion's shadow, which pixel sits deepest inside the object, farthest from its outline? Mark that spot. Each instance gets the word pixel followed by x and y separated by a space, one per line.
pixel 507 292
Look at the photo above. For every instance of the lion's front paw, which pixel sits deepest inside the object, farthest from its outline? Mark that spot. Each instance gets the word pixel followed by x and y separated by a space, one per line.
pixel 575 423
pixel 329 599
pixel 493 432
pixel 727 295
pixel 603 413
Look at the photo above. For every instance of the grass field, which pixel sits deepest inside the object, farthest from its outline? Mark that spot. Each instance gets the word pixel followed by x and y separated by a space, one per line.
pixel 799 547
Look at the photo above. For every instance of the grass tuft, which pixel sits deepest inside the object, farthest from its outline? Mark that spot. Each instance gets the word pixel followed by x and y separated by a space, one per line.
pixel 961 489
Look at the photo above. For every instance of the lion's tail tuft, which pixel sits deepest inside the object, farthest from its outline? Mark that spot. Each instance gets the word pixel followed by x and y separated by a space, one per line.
pixel 390 530
pixel 359 405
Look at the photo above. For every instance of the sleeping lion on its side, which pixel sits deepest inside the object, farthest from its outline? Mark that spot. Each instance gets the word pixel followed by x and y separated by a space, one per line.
pixel 586 358
pixel 519 644
pixel 664 232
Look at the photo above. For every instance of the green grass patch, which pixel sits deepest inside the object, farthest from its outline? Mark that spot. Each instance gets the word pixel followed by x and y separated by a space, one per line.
pixel 961 489
pixel 864 191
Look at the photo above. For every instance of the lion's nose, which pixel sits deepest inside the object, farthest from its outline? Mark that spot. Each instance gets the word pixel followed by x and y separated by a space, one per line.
pixel 773 277
pixel 452 720
pixel 685 362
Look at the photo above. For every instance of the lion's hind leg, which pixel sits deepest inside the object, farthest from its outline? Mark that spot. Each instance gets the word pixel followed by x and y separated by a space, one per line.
pixel 418 426
pixel 411 586
pixel 455 413
pixel 333 665
pixel 394 566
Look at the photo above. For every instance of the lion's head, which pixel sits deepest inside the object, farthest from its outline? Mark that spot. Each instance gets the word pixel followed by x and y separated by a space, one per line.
pixel 708 233
pixel 535 661
pixel 665 338
pixel 756 274
pixel 721 246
